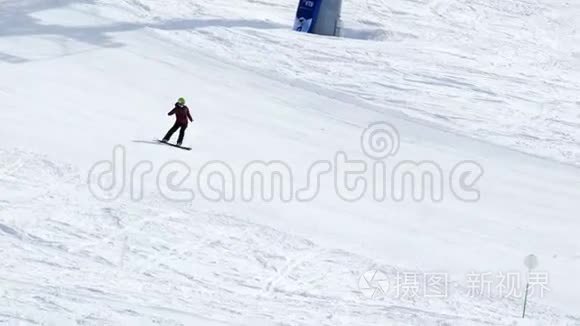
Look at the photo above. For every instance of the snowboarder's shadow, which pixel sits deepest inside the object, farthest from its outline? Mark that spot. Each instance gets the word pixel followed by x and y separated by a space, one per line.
pixel 158 142
pixel 147 142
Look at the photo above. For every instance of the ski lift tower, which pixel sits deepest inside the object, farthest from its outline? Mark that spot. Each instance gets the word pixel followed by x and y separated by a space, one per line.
pixel 320 17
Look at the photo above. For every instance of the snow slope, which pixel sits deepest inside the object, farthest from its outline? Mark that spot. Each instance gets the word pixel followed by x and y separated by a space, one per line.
pixel 460 80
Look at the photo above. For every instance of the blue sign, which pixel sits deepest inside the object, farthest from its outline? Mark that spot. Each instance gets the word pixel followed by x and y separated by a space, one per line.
pixel 306 15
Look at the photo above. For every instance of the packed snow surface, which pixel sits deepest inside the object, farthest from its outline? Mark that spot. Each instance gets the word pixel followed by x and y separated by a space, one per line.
pixel 488 84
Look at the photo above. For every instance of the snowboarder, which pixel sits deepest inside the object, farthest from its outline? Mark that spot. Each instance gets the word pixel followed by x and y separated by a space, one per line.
pixel 182 118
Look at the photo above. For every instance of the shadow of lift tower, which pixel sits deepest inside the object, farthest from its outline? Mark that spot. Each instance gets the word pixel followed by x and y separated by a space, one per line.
pixel 320 17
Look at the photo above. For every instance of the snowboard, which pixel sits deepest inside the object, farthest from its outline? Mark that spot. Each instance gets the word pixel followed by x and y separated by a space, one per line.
pixel 174 145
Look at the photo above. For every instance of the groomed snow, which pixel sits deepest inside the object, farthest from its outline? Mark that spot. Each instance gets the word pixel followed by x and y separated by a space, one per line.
pixel 493 82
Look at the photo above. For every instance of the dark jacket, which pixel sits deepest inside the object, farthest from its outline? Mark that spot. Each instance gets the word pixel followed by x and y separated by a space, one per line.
pixel 182 115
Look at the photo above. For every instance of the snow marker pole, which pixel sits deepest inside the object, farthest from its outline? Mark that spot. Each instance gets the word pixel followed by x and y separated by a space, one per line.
pixel 531 262
pixel 526 298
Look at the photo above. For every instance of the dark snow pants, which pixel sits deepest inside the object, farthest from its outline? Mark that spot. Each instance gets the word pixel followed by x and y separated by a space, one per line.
pixel 181 127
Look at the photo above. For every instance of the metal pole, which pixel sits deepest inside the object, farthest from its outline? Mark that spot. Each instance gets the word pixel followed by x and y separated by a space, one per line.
pixel 531 262
pixel 526 299
pixel 328 17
